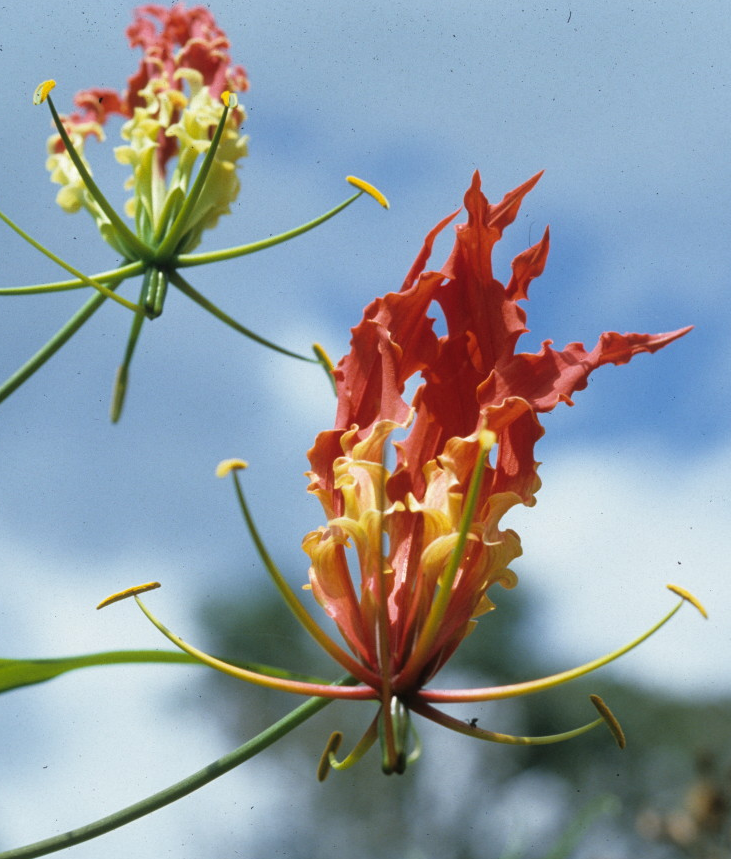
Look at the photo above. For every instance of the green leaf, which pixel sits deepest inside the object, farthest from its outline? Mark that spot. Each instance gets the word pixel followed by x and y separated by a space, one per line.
pixel 15 673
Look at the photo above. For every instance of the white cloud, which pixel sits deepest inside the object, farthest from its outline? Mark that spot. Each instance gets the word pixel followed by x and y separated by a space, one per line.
pixel 610 529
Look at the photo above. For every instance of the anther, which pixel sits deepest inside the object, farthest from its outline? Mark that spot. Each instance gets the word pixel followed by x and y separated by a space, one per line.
pixel 367 188
pixel 688 597
pixel 42 90
pixel 128 592
pixel 333 744
pixel 226 466
pixel 610 719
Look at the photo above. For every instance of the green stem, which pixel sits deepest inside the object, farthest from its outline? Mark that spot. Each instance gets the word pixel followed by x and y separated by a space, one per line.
pixel 182 284
pixel 131 242
pixel 182 788
pixel 185 260
pixel 180 224
pixel 121 273
pixel 53 345
pixel 69 268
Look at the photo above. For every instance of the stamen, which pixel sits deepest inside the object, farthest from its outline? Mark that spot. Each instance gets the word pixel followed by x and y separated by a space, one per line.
pixel 333 744
pixel 183 260
pixel 329 761
pixel 230 99
pixel 226 466
pixel 62 336
pixel 119 391
pixel 688 597
pixel 330 646
pixel 297 687
pixel 610 719
pixel 438 609
pixel 128 592
pixel 514 689
pixel 42 90
pixel 182 284
pixel 115 274
pixel 176 232
pixel 100 287
pixel 367 188
pixel 461 727
pixel 135 247
pixel 324 359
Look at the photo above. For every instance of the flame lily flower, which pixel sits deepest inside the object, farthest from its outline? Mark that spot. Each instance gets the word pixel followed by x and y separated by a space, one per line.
pixel 426 532
pixel 182 115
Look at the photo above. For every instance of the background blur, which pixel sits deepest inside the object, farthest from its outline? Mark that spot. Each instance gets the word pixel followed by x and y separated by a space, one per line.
pixel 627 107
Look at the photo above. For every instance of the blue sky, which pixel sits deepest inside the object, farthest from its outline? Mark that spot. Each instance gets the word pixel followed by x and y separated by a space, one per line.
pixel 627 109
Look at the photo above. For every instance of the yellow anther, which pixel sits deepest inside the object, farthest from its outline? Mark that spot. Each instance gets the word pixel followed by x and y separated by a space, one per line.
pixel 42 90
pixel 323 357
pixel 688 597
pixel 610 719
pixel 128 592
pixel 487 439
pixel 226 466
pixel 229 99
pixel 368 189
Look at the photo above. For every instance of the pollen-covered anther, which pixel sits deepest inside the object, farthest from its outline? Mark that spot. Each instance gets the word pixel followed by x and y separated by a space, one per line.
pixel 367 188
pixel 688 597
pixel 128 592
pixel 323 357
pixel 610 719
pixel 42 90
pixel 226 466
pixel 230 99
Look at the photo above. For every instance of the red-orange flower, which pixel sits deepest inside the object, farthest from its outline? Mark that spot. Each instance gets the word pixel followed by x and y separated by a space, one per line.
pixel 425 533
pixel 473 379
pixel 409 611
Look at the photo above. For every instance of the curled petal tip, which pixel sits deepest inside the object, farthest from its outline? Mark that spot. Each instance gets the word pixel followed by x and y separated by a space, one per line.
pixel 226 466
pixel 230 99
pixel 42 90
pixel 368 189
pixel 610 720
pixel 128 592
pixel 688 597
